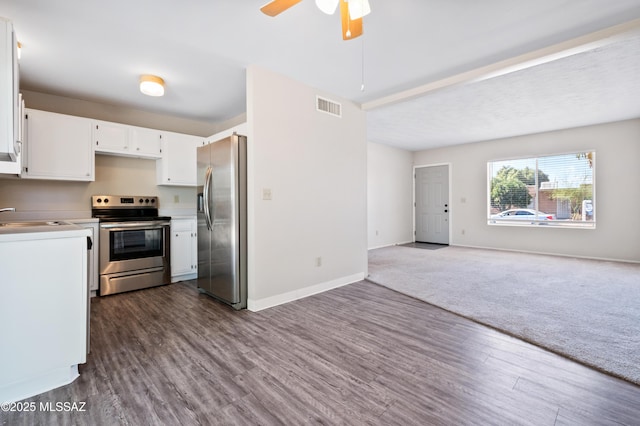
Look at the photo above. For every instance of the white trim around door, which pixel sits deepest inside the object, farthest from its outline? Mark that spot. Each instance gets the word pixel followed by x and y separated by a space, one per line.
pixel 432 203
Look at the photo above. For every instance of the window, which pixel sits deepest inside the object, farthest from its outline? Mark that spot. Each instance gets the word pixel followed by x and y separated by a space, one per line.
pixel 556 190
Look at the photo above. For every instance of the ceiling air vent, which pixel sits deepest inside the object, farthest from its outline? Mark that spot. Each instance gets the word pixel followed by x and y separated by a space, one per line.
pixel 330 107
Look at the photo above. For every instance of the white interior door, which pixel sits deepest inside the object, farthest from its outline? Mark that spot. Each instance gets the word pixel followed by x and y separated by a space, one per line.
pixel 432 204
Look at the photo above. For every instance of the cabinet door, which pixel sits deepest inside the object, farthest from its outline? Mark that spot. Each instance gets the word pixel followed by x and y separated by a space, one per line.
pixel 146 142
pixel 178 163
pixel 93 279
pixel 181 247
pixel 8 92
pixel 58 147
pixel 110 137
pixel 194 246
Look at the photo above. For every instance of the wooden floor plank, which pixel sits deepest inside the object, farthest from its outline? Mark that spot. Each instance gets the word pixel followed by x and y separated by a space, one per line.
pixel 357 355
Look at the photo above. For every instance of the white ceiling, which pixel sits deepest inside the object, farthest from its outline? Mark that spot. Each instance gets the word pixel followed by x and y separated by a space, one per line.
pixel 96 51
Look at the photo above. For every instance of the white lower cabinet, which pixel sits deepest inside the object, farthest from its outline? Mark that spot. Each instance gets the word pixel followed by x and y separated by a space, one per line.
pixel 184 248
pixel 43 310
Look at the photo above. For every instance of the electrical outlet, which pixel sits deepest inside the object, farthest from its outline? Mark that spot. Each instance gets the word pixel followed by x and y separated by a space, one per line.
pixel 176 199
pixel 266 193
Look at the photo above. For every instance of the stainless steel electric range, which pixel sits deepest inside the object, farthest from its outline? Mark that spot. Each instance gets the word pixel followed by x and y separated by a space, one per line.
pixel 134 250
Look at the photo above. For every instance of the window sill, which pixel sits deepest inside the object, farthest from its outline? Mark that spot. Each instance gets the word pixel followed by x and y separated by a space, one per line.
pixel 543 223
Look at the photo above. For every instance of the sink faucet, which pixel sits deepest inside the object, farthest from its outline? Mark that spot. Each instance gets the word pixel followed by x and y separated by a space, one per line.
pixel 8 209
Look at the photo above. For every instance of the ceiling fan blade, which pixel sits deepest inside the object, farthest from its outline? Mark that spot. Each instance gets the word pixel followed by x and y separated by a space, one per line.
pixel 351 28
pixel 276 7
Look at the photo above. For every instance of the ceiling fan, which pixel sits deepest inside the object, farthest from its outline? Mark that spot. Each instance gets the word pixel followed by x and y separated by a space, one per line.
pixel 351 12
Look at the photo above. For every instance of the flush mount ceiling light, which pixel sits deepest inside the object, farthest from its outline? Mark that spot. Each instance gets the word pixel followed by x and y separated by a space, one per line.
pixel 151 85
pixel 351 12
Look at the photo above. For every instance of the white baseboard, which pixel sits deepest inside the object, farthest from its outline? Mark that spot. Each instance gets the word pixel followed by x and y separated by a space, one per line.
pixel 42 382
pixel 256 305
pixel 390 245
pixel 184 277
pixel 548 253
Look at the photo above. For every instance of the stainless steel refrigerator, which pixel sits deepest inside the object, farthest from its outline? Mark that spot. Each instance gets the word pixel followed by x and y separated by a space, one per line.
pixel 222 220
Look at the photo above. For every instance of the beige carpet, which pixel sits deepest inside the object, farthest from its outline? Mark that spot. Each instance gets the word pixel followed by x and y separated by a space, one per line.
pixel 587 310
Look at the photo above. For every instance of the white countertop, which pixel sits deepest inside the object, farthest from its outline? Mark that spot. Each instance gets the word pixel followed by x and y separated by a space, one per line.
pixel 40 230
pixel 43 215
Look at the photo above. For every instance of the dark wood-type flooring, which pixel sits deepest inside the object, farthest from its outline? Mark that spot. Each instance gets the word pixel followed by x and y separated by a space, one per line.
pixel 360 354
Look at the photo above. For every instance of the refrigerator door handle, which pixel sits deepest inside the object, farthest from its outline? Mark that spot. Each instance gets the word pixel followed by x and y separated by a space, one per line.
pixel 207 184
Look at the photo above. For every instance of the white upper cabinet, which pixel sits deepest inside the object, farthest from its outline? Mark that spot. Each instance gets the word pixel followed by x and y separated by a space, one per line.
pixel 146 142
pixel 110 137
pixel 63 147
pixel 178 163
pixel 58 147
pixel 9 102
pixel 122 139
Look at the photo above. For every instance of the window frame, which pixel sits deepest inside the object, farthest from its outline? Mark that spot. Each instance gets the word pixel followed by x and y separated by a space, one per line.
pixel 555 223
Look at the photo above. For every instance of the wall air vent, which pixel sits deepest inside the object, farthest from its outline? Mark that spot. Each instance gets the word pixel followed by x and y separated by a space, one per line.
pixel 328 106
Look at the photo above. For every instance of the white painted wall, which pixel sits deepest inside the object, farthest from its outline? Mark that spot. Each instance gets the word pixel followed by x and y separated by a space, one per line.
pixel 314 165
pixel 389 195
pixel 617 232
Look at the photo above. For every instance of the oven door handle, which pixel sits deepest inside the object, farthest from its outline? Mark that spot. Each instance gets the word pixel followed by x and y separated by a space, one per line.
pixel 151 224
pixel 206 189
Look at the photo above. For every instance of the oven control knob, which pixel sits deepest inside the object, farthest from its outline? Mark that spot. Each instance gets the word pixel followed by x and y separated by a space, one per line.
pixel 99 200
pixel 141 201
pixel 106 200
pixel 146 201
pixel 153 200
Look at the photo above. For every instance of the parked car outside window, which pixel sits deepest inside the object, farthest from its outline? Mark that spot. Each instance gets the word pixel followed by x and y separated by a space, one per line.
pixel 522 214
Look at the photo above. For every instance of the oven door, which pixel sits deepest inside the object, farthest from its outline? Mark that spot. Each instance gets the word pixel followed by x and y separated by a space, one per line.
pixel 133 246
